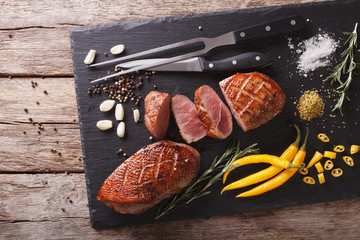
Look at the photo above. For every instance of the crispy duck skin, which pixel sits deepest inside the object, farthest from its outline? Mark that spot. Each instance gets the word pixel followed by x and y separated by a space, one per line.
pixel 157 113
pixel 253 98
pixel 153 173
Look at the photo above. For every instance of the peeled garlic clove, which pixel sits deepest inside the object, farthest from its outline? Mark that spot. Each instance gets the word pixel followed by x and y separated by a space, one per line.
pixel 107 105
pixel 121 130
pixel 104 124
pixel 136 113
pixel 117 49
pixel 119 112
pixel 90 57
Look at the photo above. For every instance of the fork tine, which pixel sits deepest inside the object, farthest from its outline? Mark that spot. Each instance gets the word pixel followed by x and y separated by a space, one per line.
pixel 154 50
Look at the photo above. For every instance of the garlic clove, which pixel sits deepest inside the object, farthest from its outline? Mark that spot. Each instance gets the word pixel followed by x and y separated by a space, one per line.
pixel 90 57
pixel 117 49
pixel 119 112
pixel 121 130
pixel 136 113
pixel 107 105
pixel 104 124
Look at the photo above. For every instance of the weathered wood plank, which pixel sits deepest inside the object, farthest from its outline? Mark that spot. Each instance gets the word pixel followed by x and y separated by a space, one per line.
pixel 57 106
pixel 35 36
pixel 26 213
pixel 31 152
pixel 36 52
pixel 24 14
pixel 41 197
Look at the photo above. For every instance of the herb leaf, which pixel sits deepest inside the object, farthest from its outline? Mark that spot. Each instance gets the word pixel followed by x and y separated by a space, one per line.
pixel 199 187
pixel 347 66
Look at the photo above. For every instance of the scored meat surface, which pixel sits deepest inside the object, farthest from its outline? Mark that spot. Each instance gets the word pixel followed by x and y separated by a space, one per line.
pixel 185 114
pixel 213 113
pixel 254 98
pixel 152 174
pixel 157 113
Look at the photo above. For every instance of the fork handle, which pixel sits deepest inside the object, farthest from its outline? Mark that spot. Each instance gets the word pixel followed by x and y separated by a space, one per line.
pixel 284 25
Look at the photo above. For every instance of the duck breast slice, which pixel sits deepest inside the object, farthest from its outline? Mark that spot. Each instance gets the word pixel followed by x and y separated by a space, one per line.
pixel 254 98
pixel 185 114
pixel 157 113
pixel 213 113
pixel 153 173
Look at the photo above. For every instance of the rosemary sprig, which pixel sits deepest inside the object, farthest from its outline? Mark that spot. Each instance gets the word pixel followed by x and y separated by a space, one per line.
pixel 199 187
pixel 347 66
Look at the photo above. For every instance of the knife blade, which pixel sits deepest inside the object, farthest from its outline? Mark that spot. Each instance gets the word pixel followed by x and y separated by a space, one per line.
pixel 244 61
pixel 276 27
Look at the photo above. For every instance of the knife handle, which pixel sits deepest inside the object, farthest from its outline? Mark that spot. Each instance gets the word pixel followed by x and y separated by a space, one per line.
pixel 284 25
pixel 244 61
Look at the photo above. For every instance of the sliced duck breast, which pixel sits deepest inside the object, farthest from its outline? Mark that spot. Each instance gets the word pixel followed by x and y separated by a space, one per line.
pixel 213 113
pixel 254 98
pixel 157 113
pixel 185 114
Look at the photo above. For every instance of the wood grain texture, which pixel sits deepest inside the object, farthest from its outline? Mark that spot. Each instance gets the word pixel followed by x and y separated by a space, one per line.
pixel 31 151
pixel 31 208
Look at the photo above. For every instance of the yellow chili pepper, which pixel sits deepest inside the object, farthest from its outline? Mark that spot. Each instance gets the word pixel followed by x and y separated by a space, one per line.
pixel 339 148
pixel 308 180
pixel 317 156
pixel 303 171
pixel 323 137
pixel 319 167
pixel 328 165
pixel 354 149
pixel 269 172
pixel 330 154
pixel 337 172
pixel 321 178
pixel 260 158
pixel 280 178
pixel 349 161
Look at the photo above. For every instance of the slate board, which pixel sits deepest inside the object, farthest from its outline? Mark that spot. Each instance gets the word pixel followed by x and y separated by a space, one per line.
pixel 99 147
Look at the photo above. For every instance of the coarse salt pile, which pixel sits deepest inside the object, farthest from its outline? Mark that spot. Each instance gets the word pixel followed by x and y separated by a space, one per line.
pixel 316 52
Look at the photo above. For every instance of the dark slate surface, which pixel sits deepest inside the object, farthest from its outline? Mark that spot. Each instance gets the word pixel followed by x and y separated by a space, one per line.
pixel 99 147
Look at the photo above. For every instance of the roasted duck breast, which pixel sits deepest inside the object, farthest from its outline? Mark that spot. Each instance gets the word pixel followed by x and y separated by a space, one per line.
pixel 213 113
pixel 254 98
pixel 157 113
pixel 152 174
pixel 185 114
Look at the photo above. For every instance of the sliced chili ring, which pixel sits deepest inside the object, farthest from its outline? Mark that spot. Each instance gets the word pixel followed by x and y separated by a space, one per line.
pixel 303 171
pixel 321 178
pixel 323 137
pixel 328 165
pixel 348 160
pixel 337 172
pixel 339 148
pixel 308 180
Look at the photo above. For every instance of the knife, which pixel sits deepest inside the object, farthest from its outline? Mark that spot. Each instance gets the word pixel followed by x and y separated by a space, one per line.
pixel 276 27
pixel 244 61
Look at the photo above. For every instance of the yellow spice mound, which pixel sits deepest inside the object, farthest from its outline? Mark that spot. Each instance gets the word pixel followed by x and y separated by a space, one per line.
pixel 310 105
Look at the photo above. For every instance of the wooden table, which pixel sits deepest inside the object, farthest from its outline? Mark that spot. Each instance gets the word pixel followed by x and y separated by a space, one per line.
pixel 42 187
